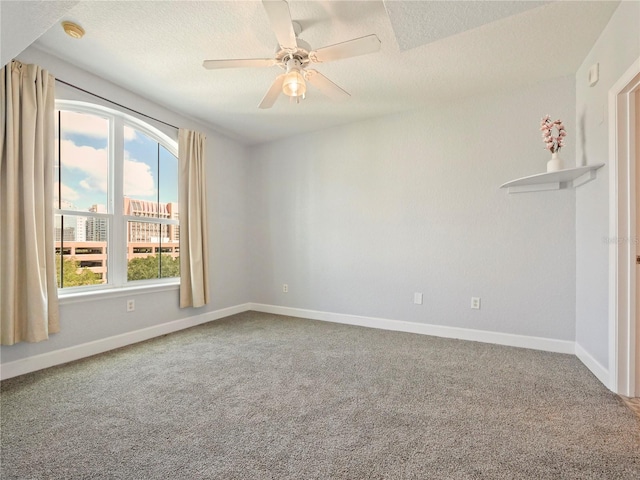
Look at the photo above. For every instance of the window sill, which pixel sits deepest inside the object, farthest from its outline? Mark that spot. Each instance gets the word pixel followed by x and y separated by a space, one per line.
pixel 65 298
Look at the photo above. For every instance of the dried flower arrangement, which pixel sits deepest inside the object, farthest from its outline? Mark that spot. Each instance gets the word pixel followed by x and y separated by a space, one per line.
pixel 553 143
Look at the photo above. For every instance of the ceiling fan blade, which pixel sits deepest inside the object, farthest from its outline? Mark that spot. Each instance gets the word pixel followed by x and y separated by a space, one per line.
pixel 280 20
pixel 350 48
pixel 272 94
pixel 325 85
pixel 240 63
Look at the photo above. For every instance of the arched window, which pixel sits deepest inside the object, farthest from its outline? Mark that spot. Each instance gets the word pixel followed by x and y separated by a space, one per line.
pixel 116 200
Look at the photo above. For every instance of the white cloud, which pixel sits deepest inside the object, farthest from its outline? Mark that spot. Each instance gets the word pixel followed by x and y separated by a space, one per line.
pixel 67 192
pixel 89 125
pixel 93 163
pixel 84 124
pixel 138 179
pixel 129 133
pixel 88 160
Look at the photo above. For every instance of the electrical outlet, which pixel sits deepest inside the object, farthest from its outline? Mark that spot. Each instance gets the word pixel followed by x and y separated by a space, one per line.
pixel 417 298
pixel 475 303
pixel 131 305
pixel 285 288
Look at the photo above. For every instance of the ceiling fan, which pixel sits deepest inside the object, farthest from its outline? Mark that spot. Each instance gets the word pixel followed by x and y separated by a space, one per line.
pixel 294 56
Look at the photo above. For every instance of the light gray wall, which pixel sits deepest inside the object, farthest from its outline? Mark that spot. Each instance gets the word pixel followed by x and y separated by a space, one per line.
pixel 355 219
pixel 615 51
pixel 226 180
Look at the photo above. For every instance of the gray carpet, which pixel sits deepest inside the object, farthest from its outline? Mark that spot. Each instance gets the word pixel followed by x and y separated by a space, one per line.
pixel 259 396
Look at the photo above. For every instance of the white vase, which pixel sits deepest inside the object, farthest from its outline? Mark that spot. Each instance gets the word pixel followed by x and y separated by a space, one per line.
pixel 555 163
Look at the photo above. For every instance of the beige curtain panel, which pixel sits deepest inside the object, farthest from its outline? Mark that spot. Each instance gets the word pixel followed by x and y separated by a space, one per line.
pixel 194 239
pixel 28 289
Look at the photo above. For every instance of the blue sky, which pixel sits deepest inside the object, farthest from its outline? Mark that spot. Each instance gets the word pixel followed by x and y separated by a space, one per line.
pixel 84 167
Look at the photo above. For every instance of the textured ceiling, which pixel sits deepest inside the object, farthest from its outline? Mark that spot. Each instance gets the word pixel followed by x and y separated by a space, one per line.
pixel 418 23
pixel 156 49
pixel 35 18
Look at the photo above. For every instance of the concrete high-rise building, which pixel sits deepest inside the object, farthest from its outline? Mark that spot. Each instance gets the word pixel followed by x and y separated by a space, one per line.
pixel 145 232
pixel 66 234
pixel 96 228
pixel 174 230
pixel 81 229
pixel 66 228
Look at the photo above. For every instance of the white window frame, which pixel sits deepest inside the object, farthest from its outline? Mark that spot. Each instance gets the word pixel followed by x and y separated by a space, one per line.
pixel 117 283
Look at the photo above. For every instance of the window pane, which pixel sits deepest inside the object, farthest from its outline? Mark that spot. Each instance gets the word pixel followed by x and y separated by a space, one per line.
pixel 169 192
pixel 150 177
pixel 81 250
pixel 150 252
pixel 168 177
pixel 83 161
pixel 140 174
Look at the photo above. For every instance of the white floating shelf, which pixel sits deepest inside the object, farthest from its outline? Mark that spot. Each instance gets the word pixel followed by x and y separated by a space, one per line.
pixel 569 178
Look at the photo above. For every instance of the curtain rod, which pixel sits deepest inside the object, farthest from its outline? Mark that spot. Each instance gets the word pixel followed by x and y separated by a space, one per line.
pixel 115 103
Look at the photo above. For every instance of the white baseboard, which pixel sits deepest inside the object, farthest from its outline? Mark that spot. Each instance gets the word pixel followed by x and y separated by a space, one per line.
pixel 64 355
pixel 57 357
pixel 592 364
pixel 523 341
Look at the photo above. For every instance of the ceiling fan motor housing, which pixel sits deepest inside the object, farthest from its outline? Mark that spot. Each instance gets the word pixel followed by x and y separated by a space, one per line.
pixel 301 52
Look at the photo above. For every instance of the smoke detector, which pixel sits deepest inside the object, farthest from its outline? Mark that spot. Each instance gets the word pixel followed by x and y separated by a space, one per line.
pixel 73 29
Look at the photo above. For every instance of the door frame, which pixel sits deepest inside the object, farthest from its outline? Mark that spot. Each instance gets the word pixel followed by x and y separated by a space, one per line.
pixel 624 354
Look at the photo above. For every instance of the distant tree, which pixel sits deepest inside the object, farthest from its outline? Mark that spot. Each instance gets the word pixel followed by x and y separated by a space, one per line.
pixel 170 266
pixel 142 268
pixel 73 275
pixel 147 267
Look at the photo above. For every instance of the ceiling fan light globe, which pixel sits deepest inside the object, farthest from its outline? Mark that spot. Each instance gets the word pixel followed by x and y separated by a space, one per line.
pixel 294 85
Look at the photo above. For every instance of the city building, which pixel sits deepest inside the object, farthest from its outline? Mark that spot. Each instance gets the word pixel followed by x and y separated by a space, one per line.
pixel 138 232
pixel 85 240
pixel 96 227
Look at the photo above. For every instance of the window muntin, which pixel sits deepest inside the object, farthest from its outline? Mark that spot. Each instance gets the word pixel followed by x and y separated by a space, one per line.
pixel 116 169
